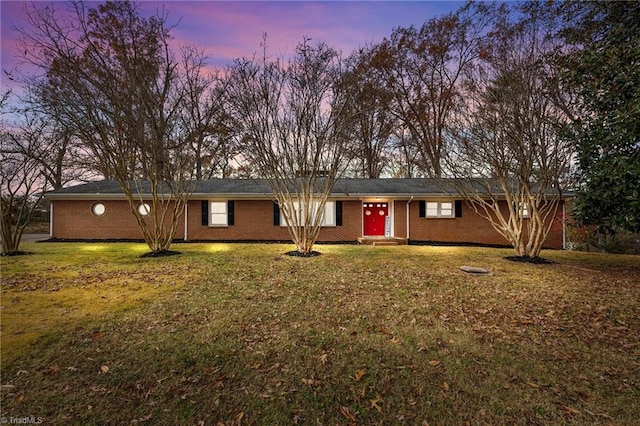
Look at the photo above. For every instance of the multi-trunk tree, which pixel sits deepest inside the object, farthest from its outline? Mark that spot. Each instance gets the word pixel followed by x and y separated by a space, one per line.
pixel 292 122
pixel 112 79
pixel 22 177
pixel 508 159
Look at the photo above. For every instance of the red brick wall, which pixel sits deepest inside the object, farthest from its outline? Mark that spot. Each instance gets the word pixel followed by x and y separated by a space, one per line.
pixel 470 228
pixel 74 219
pixel 400 219
pixel 254 221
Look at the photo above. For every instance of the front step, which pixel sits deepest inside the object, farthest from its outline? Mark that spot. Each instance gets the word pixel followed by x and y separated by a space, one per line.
pixel 382 241
pixel 385 243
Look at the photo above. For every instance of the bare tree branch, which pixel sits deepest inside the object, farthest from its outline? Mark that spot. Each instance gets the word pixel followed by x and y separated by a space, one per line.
pixel 293 123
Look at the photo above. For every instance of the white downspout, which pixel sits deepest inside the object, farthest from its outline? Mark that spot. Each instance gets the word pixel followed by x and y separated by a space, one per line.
pixel 564 226
pixel 186 222
pixel 408 202
pixel 51 220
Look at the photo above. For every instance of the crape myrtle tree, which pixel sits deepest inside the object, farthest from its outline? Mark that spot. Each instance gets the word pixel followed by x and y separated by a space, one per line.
pixel 423 67
pixel 113 80
pixel 292 120
pixel 507 157
pixel 601 68
pixel 22 187
pixel 22 181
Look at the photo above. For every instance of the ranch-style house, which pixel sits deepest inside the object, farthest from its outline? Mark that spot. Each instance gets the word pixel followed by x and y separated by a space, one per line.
pixel 365 210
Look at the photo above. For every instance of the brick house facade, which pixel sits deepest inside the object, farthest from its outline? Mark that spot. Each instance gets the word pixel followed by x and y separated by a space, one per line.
pixel 416 210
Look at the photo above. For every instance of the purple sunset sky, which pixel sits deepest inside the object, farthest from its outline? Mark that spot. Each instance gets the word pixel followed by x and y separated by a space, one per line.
pixel 233 29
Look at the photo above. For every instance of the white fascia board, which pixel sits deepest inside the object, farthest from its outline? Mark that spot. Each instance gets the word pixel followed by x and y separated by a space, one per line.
pixel 92 196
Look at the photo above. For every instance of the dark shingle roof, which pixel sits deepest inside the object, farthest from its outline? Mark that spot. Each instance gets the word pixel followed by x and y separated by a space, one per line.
pixel 260 188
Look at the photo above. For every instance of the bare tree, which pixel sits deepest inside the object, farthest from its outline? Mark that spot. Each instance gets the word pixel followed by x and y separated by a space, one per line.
pixel 509 159
pixel 292 121
pixel 405 159
pixel 22 179
pixel 206 125
pixel 113 79
pixel 424 67
pixel 373 124
pixel 49 141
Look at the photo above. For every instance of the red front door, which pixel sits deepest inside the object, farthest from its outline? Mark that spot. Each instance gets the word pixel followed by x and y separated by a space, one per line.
pixel 374 217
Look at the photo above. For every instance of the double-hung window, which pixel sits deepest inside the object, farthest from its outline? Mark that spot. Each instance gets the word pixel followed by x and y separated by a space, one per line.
pixel 440 208
pixel 217 213
pixel 328 216
pixel 523 210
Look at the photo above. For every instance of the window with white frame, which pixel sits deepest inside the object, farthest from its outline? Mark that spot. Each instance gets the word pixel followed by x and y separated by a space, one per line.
pixel 438 209
pixel 446 209
pixel 523 210
pixel 328 216
pixel 218 213
pixel 432 209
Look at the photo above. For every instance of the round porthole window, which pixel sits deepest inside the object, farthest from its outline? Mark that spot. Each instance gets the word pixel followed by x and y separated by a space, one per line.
pixel 381 212
pixel 144 209
pixel 367 212
pixel 98 209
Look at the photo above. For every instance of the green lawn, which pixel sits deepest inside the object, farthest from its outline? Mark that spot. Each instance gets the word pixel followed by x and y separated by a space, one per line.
pixel 242 334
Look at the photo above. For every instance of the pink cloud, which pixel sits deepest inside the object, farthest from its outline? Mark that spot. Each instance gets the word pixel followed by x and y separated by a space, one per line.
pixel 230 30
pixel 233 29
pixel 10 14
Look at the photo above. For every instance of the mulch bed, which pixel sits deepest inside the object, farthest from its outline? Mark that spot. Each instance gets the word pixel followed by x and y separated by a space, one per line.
pixel 527 259
pixel 163 253
pixel 297 253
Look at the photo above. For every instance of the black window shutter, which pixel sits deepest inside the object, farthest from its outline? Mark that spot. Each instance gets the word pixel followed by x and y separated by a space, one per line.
pixel 458 208
pixel 205 213
pixel 338 213
pixel 230 213
pixel 422 205
pixel 276 214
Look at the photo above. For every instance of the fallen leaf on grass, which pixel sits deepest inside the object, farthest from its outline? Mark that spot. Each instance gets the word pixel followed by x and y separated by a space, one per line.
pixel 374 403
pixel 358 374
pixel 348 413
pixel 322 358
pixel 142 419
pixel 104 369
pixel 311 382
pixel 571 410
pixel 434 363
pixel 445 386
